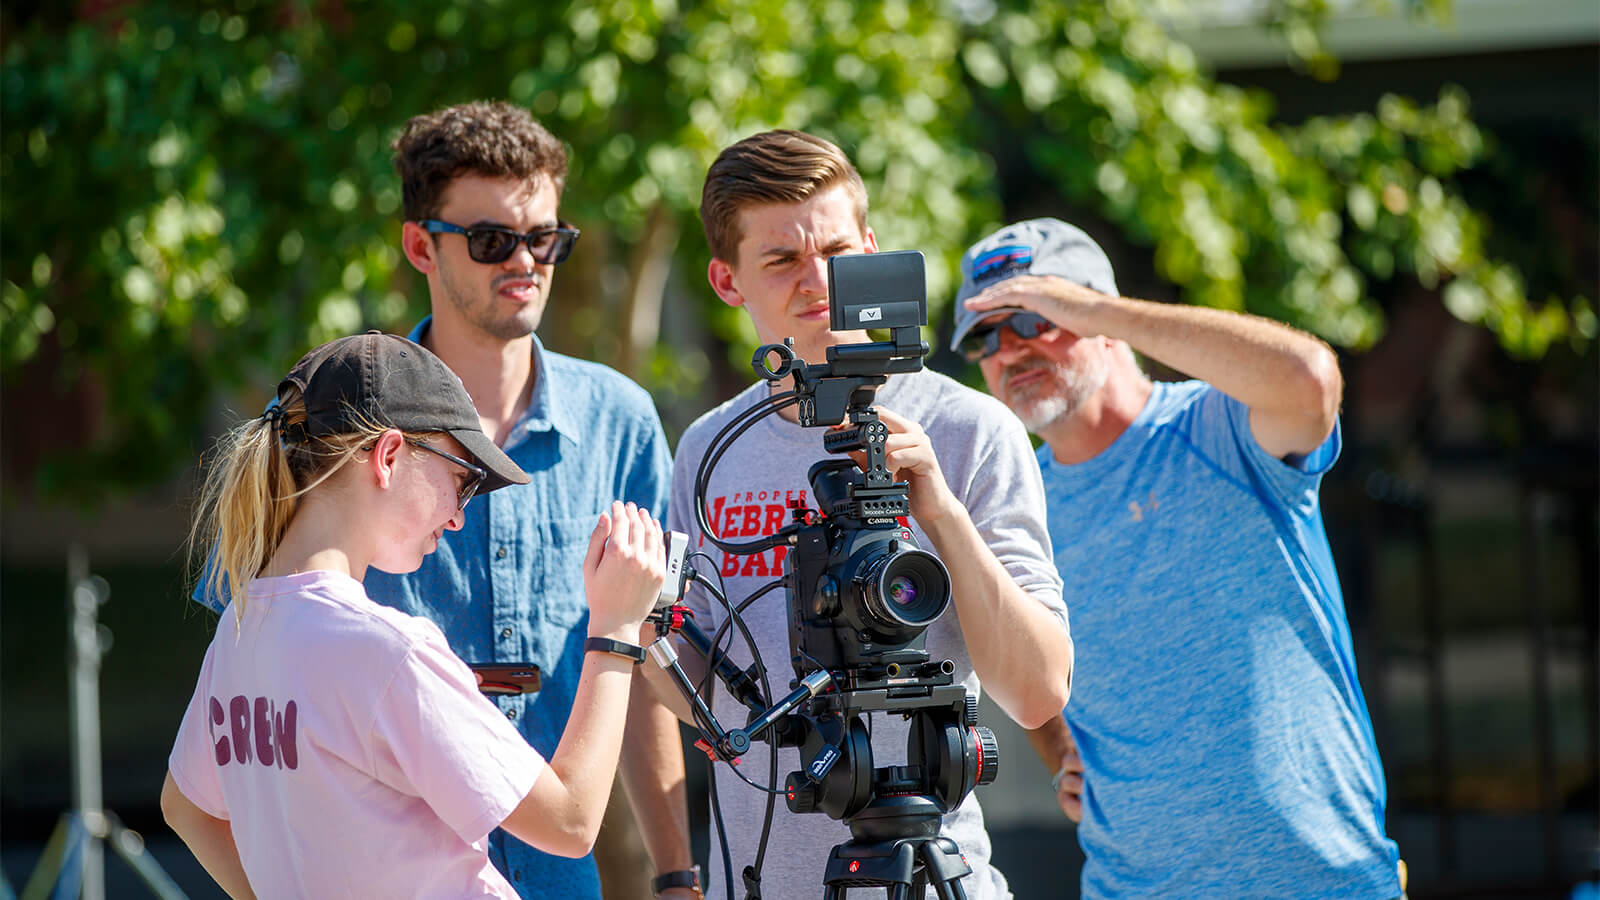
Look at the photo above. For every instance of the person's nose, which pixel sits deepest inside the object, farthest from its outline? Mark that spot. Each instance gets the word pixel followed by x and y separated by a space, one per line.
pixel 521 259
pixel 457 519
pixel 814 280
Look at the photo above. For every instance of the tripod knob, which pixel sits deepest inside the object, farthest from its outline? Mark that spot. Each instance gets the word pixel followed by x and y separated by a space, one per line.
pixel 800 793
pixel 988 755
pixel 970 715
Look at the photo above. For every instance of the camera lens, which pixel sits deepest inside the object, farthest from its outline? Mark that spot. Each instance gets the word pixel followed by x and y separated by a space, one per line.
pixel 905 589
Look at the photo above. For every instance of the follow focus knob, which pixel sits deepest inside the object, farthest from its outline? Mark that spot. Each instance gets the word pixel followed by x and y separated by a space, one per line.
pixel 988 754
pixel 800 793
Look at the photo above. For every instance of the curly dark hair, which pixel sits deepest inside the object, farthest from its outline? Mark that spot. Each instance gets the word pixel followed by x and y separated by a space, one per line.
pixel 778 166
pixel 493 139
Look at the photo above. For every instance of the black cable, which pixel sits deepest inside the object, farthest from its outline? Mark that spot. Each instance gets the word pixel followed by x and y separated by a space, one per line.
pixel 719 444
pixel 742 422
pixel 735 617
pixel 722 831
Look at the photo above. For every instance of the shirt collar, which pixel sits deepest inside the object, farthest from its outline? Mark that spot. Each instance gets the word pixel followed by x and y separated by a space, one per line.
pixel 548 408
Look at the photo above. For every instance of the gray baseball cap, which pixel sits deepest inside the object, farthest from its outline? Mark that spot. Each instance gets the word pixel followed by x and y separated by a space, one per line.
pixel 1033 247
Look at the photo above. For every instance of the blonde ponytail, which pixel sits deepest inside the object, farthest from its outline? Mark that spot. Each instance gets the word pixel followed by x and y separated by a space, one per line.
pixel 251 490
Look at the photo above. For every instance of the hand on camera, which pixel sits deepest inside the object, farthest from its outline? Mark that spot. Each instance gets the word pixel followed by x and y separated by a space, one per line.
pixel 908 454
pixel 623 571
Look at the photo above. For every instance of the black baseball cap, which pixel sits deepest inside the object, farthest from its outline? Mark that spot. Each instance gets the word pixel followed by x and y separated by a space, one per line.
pixel 390 381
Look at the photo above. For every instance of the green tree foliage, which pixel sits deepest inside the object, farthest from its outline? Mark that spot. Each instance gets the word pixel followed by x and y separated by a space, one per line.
pixel 194 196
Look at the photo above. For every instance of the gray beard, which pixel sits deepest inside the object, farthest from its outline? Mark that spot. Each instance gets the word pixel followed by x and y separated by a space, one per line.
pixel 1060 396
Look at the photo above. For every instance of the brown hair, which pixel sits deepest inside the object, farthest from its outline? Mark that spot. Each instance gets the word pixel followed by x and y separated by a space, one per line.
pixel 252 489
pixel 481 138
pixel 772 167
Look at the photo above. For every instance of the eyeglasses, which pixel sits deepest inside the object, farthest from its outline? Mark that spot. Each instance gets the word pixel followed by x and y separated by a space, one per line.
pixel 492 244
pixel 984 341
pixel 475 475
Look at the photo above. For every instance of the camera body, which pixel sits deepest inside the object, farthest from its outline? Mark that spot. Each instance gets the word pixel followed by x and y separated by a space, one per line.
pixel 862 592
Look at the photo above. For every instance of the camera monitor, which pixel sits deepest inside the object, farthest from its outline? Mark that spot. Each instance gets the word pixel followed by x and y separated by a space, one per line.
pixel 877 290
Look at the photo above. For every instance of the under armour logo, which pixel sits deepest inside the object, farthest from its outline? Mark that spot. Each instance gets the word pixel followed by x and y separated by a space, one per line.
pixel 1139 511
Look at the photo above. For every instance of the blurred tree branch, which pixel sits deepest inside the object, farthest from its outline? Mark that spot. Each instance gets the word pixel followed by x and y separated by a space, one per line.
pixel 195 194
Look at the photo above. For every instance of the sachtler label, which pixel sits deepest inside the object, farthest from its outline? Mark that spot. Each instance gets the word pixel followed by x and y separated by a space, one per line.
pixel 824 761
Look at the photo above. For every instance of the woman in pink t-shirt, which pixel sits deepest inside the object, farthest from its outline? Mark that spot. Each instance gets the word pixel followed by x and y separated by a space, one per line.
pixel 335 747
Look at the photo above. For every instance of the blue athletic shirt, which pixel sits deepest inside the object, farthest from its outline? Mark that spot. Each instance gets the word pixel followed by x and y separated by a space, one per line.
pixel 1226 743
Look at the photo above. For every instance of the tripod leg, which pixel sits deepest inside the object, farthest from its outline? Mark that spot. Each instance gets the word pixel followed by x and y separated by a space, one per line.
pixel 945 868
pixel 130 846
pixel 59 865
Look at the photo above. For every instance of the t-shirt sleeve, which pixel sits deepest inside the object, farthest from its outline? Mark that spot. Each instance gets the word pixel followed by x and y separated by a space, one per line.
pixel 1221 430
pixel 193 764
pixel 1004 495
pixel 435 736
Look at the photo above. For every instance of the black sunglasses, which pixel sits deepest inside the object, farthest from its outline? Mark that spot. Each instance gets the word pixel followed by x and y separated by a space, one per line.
pixel 475 474
pixel 984 341
pixel 494 244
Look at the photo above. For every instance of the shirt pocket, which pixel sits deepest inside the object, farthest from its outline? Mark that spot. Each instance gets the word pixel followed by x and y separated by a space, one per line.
pixel 565 542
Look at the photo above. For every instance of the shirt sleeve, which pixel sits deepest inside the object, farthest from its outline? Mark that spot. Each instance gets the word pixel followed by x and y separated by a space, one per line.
pixel 436 737
pixel 1004 495
pixel 1221 429
pixel 194 763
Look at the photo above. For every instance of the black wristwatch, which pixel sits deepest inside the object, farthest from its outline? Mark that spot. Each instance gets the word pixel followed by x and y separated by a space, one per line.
pixel 619 648
pixel 689 878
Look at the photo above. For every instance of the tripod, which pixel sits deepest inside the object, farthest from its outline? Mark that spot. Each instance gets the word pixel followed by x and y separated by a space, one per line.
pixel 73 864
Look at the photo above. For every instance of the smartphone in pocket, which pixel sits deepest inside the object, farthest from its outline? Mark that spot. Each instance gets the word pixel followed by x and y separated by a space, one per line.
pixel 507 678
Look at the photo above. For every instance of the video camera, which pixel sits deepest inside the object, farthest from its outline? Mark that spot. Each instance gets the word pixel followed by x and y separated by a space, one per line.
pixel 861 595
pixel 861 592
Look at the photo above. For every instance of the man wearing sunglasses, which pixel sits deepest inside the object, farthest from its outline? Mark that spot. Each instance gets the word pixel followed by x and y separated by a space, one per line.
pixel 481 186
pixel 1218 744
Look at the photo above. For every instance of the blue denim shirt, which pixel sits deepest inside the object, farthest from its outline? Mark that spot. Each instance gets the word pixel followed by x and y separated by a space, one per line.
pixel 508 587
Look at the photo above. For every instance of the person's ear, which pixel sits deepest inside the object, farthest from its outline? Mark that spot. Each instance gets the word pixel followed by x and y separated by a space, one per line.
pixel 419 248
pixel 385 455
pixel 870 240
pixel 720 274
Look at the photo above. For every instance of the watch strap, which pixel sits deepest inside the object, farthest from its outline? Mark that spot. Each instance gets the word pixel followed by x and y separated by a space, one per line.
pixel 685 878
pixel 633 652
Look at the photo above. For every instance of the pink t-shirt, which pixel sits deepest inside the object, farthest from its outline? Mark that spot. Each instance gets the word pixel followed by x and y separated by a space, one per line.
pixel 349 748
